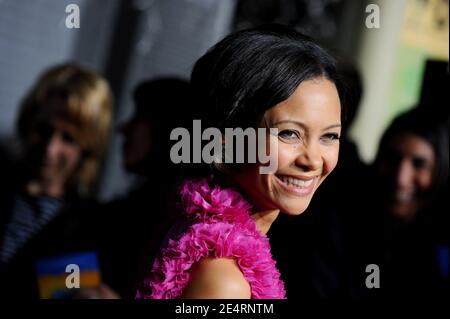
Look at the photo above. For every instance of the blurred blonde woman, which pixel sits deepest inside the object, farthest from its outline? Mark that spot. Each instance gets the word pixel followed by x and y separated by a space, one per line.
pixel 63 124
pixel 63 127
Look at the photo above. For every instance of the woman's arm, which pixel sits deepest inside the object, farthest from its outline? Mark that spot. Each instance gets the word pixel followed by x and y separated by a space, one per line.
pixel 218 278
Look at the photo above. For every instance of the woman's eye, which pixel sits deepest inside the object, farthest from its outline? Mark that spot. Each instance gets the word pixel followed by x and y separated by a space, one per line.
pixel 68 138
pixel 289 135
pixel 331 137
pixel 420 163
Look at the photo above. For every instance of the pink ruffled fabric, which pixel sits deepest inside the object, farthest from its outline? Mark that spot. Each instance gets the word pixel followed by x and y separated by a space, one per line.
pixel 219 226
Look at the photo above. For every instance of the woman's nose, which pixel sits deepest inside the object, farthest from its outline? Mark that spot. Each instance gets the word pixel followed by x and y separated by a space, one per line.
pixel 404 174
pixel 53 146
pixel 309 157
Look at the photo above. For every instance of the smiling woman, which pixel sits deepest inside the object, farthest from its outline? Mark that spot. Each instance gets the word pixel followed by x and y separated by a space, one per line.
pixel 408 230
pixel 271 77
pixel 63 126
pixel 412 164
pixel 308 123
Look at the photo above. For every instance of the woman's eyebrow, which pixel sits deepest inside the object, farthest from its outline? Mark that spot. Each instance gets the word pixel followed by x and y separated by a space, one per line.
pixel 332 126
pixel 301 124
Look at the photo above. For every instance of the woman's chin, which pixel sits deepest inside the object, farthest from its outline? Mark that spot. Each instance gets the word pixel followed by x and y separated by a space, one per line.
pixel 293 211
pixel 294 205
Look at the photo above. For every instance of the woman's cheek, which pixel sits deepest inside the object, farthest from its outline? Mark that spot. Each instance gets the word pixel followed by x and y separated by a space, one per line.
pixel 286 155
pixel 331 160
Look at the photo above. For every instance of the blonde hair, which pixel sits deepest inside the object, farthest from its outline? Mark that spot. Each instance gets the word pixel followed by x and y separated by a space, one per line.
pixel 81 97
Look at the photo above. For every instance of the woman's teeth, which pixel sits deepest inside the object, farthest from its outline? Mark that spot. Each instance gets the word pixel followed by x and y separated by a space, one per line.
pixel 296 182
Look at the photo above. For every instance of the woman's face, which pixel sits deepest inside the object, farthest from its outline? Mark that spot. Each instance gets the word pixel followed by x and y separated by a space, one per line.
pixel 309 127
pixel 406 169
pixel 53 151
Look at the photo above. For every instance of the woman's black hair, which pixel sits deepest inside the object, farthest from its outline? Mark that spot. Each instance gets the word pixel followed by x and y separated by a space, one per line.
pixel 434 129
pixel 250 71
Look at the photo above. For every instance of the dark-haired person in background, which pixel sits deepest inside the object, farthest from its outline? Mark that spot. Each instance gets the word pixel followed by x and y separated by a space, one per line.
pixel 134 223
pixel 405 231
pixel 412 166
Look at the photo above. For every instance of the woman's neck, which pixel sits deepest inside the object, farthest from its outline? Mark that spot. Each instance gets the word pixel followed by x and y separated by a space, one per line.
pixel 264 219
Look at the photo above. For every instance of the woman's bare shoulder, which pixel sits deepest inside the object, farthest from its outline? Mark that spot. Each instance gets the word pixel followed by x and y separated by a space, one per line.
pixel 217 278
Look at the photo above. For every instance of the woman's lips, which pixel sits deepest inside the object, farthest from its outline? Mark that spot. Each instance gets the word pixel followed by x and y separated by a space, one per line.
pixel 296 186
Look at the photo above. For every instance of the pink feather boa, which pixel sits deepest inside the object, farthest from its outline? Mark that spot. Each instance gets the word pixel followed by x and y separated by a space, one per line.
pixel 219 226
